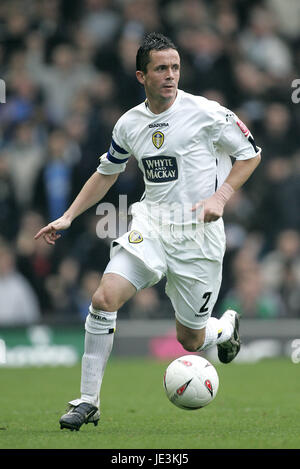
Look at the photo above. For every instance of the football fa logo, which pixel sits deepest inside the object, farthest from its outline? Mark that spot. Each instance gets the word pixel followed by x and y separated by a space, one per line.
pixel 158 139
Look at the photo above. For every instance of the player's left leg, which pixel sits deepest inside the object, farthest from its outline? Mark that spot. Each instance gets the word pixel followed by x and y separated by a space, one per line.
pixel 222 332
pixel 228 349
pixel 190 339
pixel 196 328
pixel 193 287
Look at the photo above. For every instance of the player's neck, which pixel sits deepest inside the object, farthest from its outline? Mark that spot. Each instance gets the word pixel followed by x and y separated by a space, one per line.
pixel 158 106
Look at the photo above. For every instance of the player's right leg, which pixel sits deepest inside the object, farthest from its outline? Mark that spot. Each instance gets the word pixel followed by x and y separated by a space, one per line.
pixel 124 275
pixel 113 291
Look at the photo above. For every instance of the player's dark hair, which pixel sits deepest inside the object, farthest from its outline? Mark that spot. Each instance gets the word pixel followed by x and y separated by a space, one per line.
pixel 152 41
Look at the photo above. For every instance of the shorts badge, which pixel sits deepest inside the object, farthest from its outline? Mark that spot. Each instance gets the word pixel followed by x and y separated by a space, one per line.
pixel 158 139
pixel 135 237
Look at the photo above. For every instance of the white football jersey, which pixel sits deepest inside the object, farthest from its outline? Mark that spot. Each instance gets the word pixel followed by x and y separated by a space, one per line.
pixel 184 152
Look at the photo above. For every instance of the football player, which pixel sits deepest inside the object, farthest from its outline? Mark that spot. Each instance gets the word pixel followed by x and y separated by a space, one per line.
pixel 184 146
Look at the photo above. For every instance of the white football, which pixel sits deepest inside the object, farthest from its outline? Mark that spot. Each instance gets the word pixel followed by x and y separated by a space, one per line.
pixel 191 382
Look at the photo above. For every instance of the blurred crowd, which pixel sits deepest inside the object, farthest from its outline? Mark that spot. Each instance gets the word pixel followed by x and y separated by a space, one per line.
pixel 69 70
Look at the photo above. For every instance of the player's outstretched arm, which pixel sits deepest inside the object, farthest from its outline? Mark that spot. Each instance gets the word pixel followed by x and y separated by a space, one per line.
pixel 213 207
pixel 49 232
pixel 92 192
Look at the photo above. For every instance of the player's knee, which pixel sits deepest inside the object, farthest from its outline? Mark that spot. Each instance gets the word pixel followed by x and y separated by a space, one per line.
pixel 105 300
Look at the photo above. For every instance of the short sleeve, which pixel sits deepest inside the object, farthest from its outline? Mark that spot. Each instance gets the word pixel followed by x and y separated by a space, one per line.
pixel 114 161
pixel 232 136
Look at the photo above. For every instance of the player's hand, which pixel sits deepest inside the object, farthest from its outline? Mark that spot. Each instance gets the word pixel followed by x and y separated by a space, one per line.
pixel 49 232
pixel 209 209
pixel 213 206
pixel 213 209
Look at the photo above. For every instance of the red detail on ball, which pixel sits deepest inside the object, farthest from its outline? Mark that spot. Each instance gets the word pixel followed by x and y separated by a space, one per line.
pixel 185 362
pixel 209 386
pixel 182 388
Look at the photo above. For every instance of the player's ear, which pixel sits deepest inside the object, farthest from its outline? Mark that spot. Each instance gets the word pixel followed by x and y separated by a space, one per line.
pixel 140 77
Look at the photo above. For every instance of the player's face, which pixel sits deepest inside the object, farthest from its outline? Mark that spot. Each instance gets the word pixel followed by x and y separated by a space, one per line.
pixel 161 79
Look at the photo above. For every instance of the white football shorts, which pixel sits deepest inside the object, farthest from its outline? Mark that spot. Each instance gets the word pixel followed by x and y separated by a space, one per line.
pixel 193 269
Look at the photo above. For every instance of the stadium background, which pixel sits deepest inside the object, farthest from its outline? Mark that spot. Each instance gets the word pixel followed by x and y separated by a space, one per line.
pixel 69 70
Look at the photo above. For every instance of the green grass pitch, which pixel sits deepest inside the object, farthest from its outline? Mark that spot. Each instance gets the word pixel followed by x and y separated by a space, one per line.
pixel 257 407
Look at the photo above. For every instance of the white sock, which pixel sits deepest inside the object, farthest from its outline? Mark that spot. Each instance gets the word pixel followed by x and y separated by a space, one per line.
pixel 217 331
pixel 97 349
